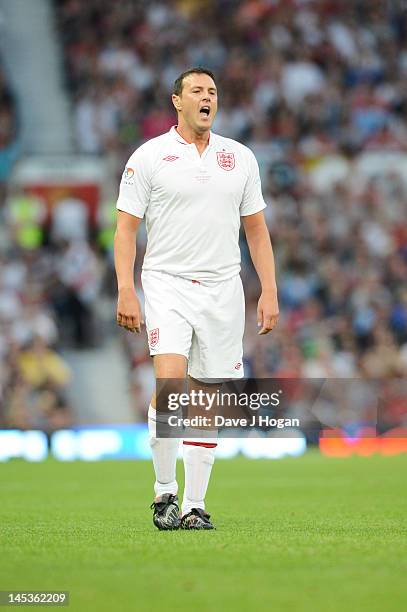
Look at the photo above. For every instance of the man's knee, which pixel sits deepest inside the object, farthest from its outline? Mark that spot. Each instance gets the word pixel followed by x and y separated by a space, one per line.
pixel 170 365
pixel 170 373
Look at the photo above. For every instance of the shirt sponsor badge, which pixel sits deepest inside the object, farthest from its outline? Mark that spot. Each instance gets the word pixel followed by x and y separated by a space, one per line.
pixel 128 176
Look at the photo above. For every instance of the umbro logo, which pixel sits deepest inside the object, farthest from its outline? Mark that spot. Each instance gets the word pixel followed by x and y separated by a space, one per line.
pixel 170 158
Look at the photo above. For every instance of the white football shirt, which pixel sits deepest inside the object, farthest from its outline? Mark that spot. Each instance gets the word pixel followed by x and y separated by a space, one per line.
pixel 192 203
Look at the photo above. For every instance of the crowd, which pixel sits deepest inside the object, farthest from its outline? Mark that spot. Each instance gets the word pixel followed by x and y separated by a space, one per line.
pixel 53 278
pixel 33 377
pixel 295 77
pixel 50 276
pixel 318 90
pixel 301 82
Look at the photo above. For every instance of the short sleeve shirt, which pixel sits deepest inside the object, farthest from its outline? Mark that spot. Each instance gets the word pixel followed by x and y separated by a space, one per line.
pixel 192 204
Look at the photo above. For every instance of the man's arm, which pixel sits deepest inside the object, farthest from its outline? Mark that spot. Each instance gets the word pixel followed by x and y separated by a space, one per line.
pixel 128 305
pixel 261 252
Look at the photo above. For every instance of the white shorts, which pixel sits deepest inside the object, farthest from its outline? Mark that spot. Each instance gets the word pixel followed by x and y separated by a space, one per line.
pixel 203 322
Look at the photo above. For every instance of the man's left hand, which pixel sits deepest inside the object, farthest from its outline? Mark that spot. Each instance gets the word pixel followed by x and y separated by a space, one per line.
pixel 267 312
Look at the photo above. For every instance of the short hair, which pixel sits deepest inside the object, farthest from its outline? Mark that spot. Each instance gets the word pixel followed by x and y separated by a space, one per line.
pixel 179 82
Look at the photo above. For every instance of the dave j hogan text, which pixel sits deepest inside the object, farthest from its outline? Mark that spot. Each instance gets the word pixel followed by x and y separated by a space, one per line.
pixel 218 420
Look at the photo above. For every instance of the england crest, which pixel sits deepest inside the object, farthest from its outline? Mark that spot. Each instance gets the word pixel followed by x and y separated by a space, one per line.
pixel 226 160
pixel 154 337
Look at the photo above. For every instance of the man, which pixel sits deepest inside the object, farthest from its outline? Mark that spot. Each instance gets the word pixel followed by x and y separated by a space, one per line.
pixel 194 187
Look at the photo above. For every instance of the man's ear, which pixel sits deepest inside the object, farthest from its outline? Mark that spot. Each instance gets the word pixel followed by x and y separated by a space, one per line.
pixel 176 102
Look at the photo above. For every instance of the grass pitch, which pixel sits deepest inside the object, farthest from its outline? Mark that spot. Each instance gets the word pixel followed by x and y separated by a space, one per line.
pixel 304 534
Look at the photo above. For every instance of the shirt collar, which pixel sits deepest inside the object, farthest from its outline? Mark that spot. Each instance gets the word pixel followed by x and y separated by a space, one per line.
pixel 173 132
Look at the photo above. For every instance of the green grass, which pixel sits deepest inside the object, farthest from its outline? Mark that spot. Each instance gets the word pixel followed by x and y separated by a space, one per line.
pixel 305 534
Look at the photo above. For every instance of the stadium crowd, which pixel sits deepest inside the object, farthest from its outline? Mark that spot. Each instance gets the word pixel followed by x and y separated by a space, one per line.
pixel 33 375
pixel 295 77
pixel 314 87
pixel 41 298
pixel 300 82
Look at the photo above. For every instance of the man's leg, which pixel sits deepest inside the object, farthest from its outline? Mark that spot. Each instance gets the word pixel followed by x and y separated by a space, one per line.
pixel 199 456
pixel 165 450
pixel 216 354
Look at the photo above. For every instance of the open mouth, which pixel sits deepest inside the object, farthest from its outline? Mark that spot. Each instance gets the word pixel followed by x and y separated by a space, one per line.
pixel 205 110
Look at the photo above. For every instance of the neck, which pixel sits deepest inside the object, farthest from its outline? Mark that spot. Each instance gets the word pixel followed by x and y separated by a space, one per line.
pixel 201 139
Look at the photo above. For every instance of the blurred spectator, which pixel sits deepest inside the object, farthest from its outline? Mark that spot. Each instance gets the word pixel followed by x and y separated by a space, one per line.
pixel 76 290
pixel 9 147
pixel 69 220
pixel 25 215
pixel 40 366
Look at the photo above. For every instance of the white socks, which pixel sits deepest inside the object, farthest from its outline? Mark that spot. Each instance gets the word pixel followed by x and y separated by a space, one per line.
pixel 165 451
pixel 199 457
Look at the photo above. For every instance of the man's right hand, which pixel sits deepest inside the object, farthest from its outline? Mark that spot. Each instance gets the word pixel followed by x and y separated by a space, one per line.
pixel 129 311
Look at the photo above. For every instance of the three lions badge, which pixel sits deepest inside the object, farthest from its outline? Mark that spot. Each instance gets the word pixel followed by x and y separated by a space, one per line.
pixel 226 160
